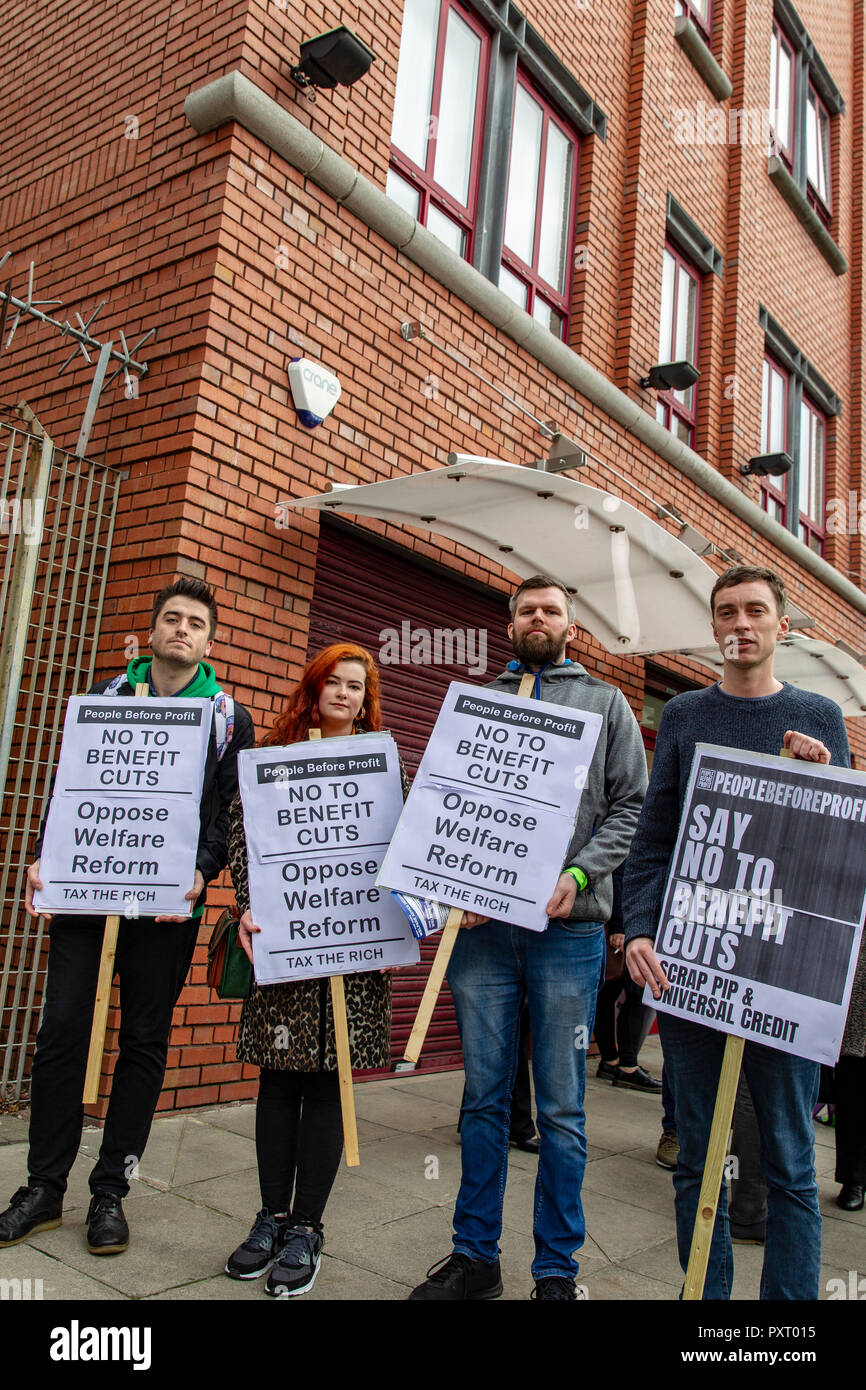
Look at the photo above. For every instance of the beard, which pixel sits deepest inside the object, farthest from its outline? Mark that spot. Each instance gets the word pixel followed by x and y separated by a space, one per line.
pixel 538 648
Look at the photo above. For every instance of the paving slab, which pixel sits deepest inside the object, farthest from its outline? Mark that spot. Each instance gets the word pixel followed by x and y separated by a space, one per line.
pixel 173 1242
pixel 632 1180
pixel 619 1228
pixel 50 1278
pixel 401 1109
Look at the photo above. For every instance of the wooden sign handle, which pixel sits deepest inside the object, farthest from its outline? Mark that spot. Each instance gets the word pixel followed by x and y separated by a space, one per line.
pixel 344 1071
pixel 708 1201
pixel 103 993
pixel 433 986
pixel 344 1057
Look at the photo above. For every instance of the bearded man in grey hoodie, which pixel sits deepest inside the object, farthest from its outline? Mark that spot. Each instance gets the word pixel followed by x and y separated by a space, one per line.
pixel 497 965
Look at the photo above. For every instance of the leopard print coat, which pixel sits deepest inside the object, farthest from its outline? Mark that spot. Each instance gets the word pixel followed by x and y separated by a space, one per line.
pixel 290 1027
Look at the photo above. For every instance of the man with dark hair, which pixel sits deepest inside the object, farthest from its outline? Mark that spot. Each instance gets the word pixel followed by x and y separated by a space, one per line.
pixel 152 959
pixel 749 709
pixel 557 971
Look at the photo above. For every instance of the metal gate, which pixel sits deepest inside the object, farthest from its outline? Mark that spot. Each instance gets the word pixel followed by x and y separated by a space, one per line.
pixel 56 523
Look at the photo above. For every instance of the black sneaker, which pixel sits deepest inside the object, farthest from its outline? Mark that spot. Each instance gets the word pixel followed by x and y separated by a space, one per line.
pixel 555 1287
pixel 298 1263
pixel 261 1247
pixel 32 1209
pixel 607 1070
pixel 459 1277
pixel 107 1231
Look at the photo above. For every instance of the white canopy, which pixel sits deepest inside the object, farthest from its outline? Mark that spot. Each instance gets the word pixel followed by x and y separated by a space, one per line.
pixel 637 588
pixel 811 665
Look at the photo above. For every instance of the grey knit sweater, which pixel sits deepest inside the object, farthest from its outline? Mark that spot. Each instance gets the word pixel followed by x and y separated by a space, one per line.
pixel 760 725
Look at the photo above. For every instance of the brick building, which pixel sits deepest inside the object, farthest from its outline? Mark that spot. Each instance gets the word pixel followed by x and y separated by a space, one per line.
pixel 662 180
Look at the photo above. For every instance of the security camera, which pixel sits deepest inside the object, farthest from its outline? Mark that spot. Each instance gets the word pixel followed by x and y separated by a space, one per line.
pixel 315 390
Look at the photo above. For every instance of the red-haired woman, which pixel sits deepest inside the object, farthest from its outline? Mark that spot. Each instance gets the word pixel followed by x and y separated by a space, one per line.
pixel 288 1029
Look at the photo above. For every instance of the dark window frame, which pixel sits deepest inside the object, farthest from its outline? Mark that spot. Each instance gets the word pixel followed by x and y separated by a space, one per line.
pixel 667 399
pixel 808 72
pixel 703 26
pixel 559 300
pixel 422 180
pixel 804 383
pixel 513 43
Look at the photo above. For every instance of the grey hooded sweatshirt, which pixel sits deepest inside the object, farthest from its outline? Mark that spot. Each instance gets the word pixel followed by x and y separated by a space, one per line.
pixel 614 792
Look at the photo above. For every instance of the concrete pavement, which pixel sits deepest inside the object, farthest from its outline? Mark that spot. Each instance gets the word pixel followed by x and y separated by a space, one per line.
pixel 388 1220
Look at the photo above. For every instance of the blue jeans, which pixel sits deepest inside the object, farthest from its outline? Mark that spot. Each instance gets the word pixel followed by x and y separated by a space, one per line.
pixel 493 968
pixel 784 1089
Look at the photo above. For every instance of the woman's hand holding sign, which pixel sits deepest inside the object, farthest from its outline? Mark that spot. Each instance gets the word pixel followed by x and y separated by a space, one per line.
pixel 246 930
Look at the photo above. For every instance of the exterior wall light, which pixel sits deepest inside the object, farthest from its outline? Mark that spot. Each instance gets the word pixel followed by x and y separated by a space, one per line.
pixel 762 464
pixel 335 58
pixel 670 376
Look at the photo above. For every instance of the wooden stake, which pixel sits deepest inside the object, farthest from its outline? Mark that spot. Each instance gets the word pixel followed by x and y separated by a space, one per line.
pixel 433 986
pixel 443 955
pixel 344 1057
pixel 713 1167
pixel 103 993
pixel 344 1071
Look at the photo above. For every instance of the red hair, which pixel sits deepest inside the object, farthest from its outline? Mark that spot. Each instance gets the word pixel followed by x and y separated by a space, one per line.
pixel 302 711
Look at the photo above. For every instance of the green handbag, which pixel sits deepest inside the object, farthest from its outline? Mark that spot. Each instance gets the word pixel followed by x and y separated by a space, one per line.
pixel 228 970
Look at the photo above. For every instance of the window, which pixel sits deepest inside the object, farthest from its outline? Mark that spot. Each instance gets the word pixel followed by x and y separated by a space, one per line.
pixel 782 94
pixel 699 12
pixel 813 430
pixel 438 112
pixel 803 100
pixel 774 438
pixel 678 341
pixel 539 210
pixel 818 154
pixel 484 154
pixel 796 406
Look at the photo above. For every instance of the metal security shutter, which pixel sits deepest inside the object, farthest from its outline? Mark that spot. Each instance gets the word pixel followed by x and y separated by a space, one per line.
pixel 361 591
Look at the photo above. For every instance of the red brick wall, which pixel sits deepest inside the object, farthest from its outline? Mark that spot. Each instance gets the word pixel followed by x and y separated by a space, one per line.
pixel 240 264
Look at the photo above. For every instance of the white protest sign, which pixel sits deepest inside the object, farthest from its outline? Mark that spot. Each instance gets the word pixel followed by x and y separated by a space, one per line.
pixel 491 812
pixel 124 821
pixel 764 906
pixel 318 818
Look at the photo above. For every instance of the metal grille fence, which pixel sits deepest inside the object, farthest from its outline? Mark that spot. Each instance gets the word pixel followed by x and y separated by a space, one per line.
pixel 56 528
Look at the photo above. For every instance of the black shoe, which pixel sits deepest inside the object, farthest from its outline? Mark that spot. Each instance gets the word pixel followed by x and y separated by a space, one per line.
pixel 529 1145
pixel 637 1080
pixel 851 1197
pixel 298 1263
pixel 261 1247
pixel 607 1070
pixel 107 1231
pixel 555 1287
pixel 32 1209
pixel 459 1277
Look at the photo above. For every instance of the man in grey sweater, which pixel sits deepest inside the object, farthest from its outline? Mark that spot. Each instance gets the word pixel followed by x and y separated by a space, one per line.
pixel 748 709
pixel 496 965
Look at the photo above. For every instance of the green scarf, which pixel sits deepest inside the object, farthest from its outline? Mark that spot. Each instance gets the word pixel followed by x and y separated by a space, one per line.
pixel 204 684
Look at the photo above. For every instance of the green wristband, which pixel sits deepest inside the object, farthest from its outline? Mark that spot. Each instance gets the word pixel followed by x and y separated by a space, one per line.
pixel 579 877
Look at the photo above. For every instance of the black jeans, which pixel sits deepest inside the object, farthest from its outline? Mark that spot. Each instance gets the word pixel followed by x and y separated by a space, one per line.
pixel 151 962
pixel 299 1141
pixel 620 1037
pixel 850 1084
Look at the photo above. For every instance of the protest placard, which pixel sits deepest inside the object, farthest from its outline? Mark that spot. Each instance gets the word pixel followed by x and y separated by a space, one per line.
pixel 317 824
pixel 491 812
pixel 764 905
pixel 124 821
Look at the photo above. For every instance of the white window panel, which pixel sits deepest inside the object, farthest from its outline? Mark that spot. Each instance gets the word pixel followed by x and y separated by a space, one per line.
pixel 413 98
pixel 523 175
pixel 456 124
